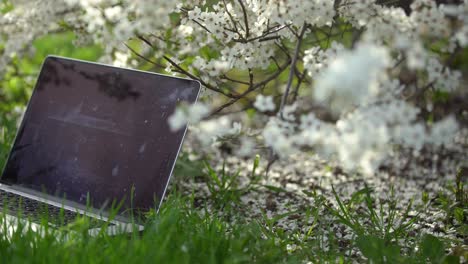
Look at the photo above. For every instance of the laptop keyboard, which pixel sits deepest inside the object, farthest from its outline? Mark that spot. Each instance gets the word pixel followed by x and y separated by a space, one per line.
pixel 36 211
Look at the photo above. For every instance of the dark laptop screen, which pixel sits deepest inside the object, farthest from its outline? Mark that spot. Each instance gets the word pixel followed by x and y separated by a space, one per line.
pixel 100 130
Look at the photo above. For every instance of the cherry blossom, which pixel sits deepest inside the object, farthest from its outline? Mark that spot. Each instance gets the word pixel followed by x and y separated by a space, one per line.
pixel 264 103
pixel 357 80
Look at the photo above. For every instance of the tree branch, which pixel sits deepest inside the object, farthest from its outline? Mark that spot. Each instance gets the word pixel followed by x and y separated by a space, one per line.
pixel 299 82
pixel 143 57
pixel 224 76
pixel 251 89
pixel 234 23
pixel 187 73
pixel 246 22
pixel 208 86
pixel 293 66
pixel 202 26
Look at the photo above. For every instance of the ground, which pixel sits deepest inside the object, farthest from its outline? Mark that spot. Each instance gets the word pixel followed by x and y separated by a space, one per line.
pixel 301 197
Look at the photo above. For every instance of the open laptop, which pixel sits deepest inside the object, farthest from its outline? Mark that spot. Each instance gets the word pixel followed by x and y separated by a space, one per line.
pixel 94 137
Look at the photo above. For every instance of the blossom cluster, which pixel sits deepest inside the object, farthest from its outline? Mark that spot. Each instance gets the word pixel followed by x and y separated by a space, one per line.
pixel 350 80
pixel 28 21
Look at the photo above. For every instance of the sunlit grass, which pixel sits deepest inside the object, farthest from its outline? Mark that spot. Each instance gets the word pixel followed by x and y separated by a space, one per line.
pixel 175 235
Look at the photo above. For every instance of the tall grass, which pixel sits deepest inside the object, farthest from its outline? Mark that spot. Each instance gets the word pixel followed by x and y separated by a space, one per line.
pixel 175 235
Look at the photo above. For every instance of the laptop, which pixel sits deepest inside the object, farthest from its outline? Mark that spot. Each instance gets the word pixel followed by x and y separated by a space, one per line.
pixel 94 141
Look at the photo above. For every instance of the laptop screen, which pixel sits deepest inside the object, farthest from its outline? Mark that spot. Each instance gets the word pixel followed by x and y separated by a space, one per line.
pixel 101 131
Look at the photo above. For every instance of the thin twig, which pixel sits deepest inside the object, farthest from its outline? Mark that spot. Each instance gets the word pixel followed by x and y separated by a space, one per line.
pixel 293 65
pixel 143 57
pixel 234 23
pixel 275 61
pixel 420 92
pixel 145 41
pixel 269 38
pixel 283 49
pixel 183 71
pixel 399 62
pixel 289 26
pixel 202 26
pixel 241 110
pixel 299 82
pixel 208 86
pixel 224 76
pixel 251 89
pixel 247 33
pixel 271 160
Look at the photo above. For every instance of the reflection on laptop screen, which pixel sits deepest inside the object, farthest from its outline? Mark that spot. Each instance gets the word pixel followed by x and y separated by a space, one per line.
pixel 100 130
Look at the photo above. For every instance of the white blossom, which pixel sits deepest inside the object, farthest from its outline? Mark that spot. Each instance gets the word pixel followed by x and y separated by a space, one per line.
pixel 443 132
pixel 353 77
pixel 442 77
pixel 316 59
pixel 276 137
pixel 246 148
pixel 264 103
pixel 190 114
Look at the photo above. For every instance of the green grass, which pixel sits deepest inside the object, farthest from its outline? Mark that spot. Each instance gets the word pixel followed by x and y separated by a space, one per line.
pixel 7 135
pixel 176 235
pixel 182 233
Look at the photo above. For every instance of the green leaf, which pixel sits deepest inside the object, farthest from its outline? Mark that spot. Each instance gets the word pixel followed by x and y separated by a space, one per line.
pixel 452 259
pixel 459 214
pixel 377 251
pixel 274 188
pixel 433 249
